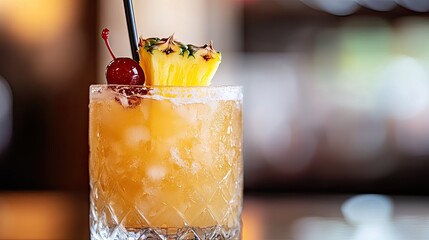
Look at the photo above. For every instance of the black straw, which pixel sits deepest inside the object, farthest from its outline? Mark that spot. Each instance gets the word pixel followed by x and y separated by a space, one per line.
pixel 132 32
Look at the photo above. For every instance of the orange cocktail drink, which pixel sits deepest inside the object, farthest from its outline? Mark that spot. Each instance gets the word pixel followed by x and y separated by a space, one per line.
pixel 165 160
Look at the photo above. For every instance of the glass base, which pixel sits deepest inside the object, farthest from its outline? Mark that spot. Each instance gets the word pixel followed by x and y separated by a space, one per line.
pixel 185 233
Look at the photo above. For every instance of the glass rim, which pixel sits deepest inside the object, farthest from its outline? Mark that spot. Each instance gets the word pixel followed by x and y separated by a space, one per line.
pixel 226 92
pixel 167 86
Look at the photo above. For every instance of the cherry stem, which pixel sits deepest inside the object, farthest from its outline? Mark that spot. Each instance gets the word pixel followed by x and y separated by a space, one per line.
pixel 105 36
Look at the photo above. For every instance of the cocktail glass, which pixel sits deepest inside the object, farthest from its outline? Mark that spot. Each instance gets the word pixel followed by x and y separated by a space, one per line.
pixel 165 162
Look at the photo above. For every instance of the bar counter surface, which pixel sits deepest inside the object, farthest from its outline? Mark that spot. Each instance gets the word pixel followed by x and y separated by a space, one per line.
pixel 64 215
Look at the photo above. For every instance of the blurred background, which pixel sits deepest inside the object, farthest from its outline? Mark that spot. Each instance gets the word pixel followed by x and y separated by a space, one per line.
pixel 336 92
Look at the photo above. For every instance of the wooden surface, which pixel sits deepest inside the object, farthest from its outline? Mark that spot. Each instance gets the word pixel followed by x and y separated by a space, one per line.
pixel 57 215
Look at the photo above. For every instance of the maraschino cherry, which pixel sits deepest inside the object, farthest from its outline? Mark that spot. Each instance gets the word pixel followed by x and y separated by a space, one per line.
pixel 124 71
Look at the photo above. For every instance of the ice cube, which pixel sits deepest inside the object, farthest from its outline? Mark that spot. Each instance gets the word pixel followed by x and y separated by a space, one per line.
pixel 156 173
pixel 136 134
pixel 201 154
pixel 145 112
pixel 195 167
pixel 229 130
pixel 175 156
pixel 188 113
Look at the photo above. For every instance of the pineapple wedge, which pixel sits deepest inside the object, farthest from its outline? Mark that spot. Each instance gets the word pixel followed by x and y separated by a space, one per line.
pixel 167 62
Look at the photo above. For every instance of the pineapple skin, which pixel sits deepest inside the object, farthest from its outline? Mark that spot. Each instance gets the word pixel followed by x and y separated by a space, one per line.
pixel 167 62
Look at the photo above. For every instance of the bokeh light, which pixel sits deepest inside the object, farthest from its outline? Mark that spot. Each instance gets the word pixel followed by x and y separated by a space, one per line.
pixel 32 21
pixel 378 5
pixel 347 7
pixel 415 5
pixel 5 114
pixel 335 7
pixel 404 88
